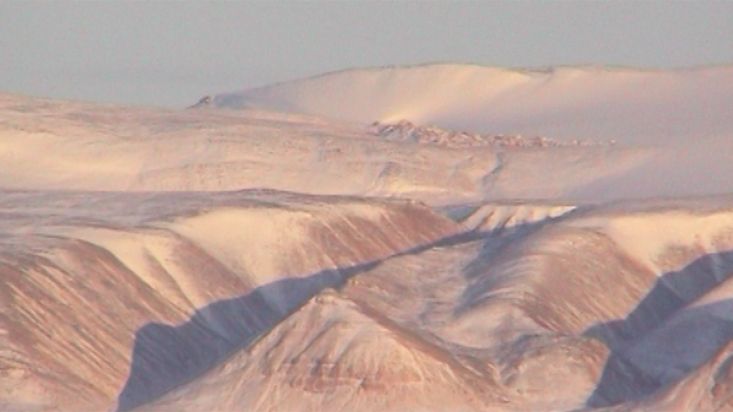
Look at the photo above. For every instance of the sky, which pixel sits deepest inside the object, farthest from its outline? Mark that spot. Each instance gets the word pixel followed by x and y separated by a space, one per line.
pixel 171 53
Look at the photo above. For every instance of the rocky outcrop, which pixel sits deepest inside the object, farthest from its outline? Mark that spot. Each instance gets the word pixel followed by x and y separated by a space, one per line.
pixel 407 131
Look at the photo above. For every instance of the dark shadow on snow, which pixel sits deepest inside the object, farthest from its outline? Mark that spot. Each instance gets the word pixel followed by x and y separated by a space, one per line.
pixel 494 243
pixel 167 356
pixel 621 380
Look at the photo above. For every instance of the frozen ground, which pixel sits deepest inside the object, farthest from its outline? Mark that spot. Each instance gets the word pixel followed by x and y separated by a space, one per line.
pixel 291 255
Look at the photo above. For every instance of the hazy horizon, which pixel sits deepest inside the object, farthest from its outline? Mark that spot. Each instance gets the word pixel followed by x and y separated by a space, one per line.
pixel 170 54
pixel 547 228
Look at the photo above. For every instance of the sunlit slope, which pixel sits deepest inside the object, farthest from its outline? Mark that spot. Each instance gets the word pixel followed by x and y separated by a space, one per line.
pixel 564 310
pixel 334 354
pixel 672 129
pixel 290 256
pixel 628 105
pixel 67 145
pixel 107 296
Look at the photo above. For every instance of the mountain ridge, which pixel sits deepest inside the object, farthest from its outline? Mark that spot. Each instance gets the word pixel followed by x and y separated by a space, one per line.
pixel 644 105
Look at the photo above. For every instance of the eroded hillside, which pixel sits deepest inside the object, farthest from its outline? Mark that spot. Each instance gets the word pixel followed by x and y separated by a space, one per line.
pixel 268 259
pixel 557 313
pixel 132 295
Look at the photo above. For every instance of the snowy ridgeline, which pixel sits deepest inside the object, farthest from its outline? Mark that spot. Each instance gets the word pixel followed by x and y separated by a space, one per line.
pixel 405 130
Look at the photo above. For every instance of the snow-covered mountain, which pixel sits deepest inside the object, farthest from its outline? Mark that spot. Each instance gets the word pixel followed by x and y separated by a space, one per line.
pixel 626 105
pixel 497 240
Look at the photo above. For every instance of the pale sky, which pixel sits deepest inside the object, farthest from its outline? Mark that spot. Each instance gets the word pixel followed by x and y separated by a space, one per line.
pixel 172 53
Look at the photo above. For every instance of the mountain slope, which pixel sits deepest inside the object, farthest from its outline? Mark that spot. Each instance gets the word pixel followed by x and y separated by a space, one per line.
pixel 77 146
pixel 569 102
pixel 132 295
pixel 295 256
pixel 561 313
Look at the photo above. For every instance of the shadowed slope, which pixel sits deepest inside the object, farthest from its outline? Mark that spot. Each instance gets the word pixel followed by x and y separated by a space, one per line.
pixel 335 354
pixel 707 388
pixel 646 353
pixel 83 272
pixel 167 356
